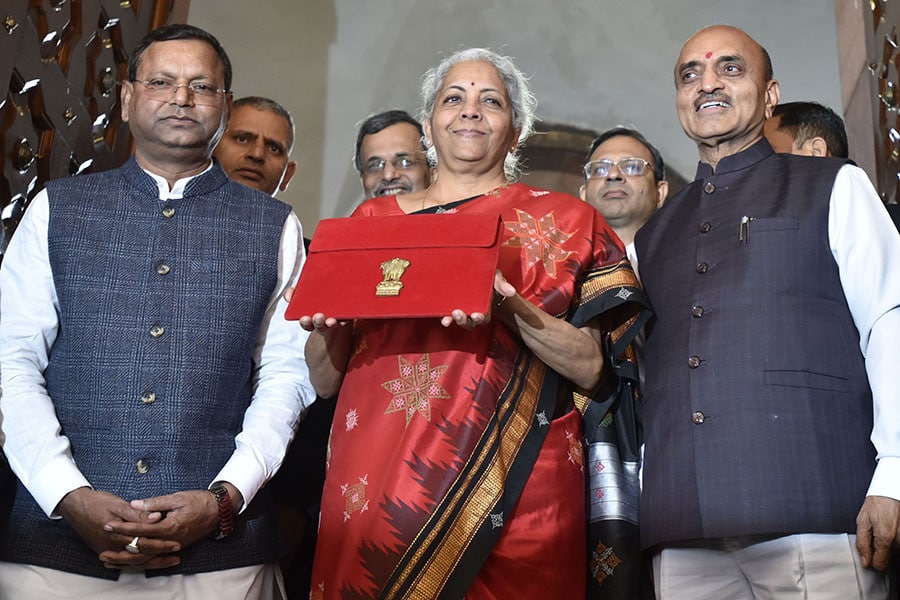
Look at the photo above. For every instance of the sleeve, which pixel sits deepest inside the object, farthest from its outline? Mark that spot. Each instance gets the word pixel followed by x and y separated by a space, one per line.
pixel 38 453
pixel 282 389
pixel 866 246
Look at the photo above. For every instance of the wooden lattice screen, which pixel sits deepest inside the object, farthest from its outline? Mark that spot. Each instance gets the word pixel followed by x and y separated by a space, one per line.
pixel 882 26
pixel 62 60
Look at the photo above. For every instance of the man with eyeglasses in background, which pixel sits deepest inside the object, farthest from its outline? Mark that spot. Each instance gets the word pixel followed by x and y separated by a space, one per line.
pixel 150 382
pixel 390 157
pixel 624 179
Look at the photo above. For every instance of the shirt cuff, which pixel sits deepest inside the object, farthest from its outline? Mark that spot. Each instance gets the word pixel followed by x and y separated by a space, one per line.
pixel 238 471
pixel 886 480
pixel 53 482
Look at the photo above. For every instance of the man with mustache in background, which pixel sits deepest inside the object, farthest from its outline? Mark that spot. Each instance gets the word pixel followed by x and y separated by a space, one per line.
pixel 256 147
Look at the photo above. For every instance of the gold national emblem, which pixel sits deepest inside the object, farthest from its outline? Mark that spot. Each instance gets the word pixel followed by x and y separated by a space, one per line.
pixel 393 270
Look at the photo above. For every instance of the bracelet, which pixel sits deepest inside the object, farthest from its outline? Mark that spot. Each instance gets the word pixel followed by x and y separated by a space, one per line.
pixel 226 512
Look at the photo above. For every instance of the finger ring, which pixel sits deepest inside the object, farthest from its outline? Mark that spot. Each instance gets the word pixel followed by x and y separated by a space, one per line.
pixel 132 546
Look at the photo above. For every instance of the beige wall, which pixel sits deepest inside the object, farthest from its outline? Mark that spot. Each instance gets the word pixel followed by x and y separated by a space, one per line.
pixel 594 64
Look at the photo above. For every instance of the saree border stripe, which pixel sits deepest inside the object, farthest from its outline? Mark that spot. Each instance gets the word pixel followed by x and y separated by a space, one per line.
pixel 458 522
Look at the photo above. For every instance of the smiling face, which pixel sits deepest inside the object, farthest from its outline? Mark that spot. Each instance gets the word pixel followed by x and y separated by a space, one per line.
pixel 175 130
pixel 392 145
pixel 254 149
pixel 472 123
pixel 723 96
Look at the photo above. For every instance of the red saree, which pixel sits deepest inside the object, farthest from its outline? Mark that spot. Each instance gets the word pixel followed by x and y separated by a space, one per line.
pixel 448 476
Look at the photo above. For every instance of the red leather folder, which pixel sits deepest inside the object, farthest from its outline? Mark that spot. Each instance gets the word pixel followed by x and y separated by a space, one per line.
pixel 399 266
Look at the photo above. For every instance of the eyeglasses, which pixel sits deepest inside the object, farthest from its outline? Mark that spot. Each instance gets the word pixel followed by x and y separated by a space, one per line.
pixel 401 163
pixel 201 93
pixel 630 167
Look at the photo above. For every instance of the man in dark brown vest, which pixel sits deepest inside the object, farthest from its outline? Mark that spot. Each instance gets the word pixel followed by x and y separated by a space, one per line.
pixel 772 419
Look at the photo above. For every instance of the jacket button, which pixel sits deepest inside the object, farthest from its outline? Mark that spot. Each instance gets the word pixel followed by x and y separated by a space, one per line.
pixel 148 397
pixel 698 417
pixel 142 466
pixel 157 330
pixel 702 268
pixel 705 227
pixel 163 269
pixel 168 212
pixel 694 362
pixel 696 311
pixel 709 188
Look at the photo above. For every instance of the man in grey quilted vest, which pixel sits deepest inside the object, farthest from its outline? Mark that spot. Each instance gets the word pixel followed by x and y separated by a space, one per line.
pixel 150 384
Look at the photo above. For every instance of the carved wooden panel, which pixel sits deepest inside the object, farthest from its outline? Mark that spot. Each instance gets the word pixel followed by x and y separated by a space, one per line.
pixel 62 61
pixel 883 50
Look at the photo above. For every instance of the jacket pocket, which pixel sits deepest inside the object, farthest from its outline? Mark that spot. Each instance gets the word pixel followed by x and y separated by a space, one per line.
pixel 808 379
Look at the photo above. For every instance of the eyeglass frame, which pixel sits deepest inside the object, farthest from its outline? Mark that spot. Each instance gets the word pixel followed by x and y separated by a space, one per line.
pixel 369 167
pixel 587 167
pixel 173 90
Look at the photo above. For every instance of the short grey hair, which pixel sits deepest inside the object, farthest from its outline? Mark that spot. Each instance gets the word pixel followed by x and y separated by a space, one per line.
pixel 269 105
pixel 521 98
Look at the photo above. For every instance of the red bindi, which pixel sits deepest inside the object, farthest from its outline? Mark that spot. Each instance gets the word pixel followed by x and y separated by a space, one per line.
pixel 472 83
pixel 708 55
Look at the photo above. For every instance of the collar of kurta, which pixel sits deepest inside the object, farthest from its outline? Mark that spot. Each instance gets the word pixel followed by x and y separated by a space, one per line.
pixel 204 183
pixel 736 162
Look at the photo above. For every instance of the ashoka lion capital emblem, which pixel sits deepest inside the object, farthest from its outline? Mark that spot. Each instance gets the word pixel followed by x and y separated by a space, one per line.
pixel 393 270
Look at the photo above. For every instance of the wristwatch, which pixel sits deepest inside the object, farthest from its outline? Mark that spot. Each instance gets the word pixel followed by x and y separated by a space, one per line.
pixel 226 512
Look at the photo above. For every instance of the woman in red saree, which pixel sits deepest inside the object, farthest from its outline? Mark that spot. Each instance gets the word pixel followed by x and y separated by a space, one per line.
pixel 456 464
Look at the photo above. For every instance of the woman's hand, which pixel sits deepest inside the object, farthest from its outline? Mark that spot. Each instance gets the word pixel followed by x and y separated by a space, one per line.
pixel 319 322
pixel 465 321
pixel 502 290
pixel 327 352
pixel 316 322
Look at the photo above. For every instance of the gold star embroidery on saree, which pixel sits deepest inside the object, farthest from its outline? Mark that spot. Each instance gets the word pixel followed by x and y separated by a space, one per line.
pixel 355 496
pixel 540 238
pixel 576 450
pixel 416 387
pixel 603 562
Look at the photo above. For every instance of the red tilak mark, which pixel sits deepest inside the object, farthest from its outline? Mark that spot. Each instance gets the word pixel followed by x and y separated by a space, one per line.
pixel 473 83
pixel 708 55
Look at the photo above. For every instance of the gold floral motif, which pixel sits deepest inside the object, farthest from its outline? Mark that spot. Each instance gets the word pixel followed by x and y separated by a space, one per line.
pixel 415 388
pixel 603 562
pixel 541 240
